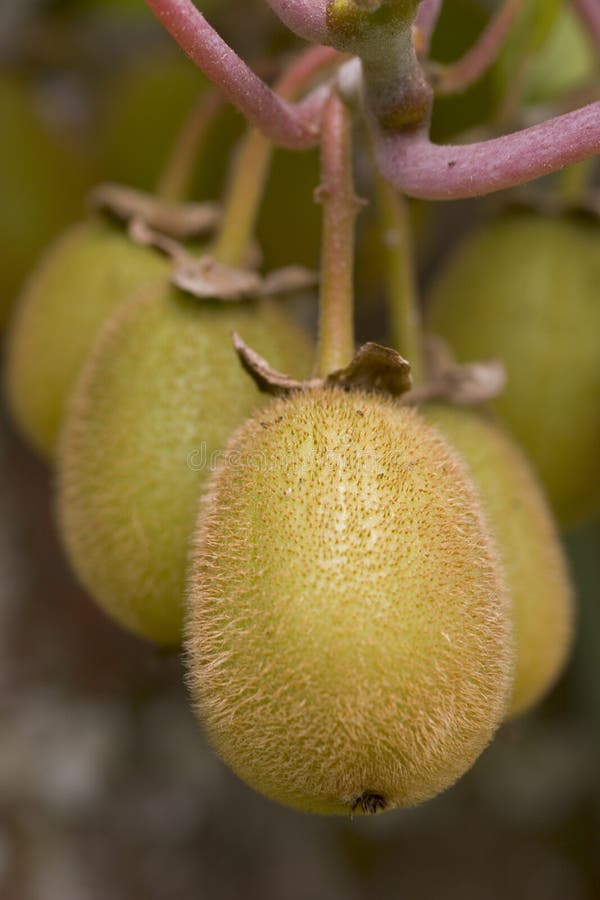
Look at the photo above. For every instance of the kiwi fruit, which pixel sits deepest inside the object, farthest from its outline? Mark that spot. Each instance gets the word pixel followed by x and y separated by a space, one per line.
pixel 532 555
pixel 41 187
pixel 81 278
pixel 525 289
pixel 348 629
pixel 155 404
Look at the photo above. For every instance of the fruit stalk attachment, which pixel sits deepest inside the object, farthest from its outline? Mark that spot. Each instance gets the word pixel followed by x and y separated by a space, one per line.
pixel 425 22
pixel 252 165
pixel 164 218
pixel 286 124
pixel 306 18
pixel 400 275
pixel 340 208
pixel 380 33
pixel 415 166
pixel 397 102
pixel 396 93
pixel 175 181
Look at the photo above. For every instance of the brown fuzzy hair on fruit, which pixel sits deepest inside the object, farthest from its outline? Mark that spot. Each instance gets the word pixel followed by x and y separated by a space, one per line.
pixel 155 404
pixel 348 632
pixel 80 280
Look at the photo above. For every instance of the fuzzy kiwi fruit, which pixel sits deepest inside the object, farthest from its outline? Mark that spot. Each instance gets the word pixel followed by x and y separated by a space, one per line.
pixel 348 632
pixel 156 402
pixel 40 184
pixel 533 558
pixel 525 289
pixel 80 280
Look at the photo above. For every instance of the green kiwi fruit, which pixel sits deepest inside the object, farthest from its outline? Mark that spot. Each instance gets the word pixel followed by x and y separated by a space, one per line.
pixel 348 629
pixel 41 187
pixel 525 289
pixel 155 404
pixel 80 280
pixel 533 558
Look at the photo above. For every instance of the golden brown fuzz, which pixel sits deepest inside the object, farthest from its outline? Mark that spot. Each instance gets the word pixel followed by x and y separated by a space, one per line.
pixel 87 273
pixel 348 633
pixel 529 546
pixel 157 400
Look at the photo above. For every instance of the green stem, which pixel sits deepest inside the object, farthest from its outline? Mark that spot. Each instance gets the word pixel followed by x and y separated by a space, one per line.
pixel 400 275
pixel 395 90
pixel 340 207
pixel 175 182
pixel 252 163
pixel 244 196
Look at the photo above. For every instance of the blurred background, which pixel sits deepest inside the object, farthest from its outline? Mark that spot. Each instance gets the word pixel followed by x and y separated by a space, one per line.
pixel 107 785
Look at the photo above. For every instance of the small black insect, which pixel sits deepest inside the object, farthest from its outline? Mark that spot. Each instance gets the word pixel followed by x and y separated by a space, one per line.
pixel 369 802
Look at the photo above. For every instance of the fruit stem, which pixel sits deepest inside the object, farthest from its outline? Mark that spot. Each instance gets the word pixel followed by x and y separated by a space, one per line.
pixel 284 123
pixel 306 18
pixel 457 77
pixel 340 208
pixel 175 182
pixel 251 166
pixel 425 22
pixel 244 194
pixel 419 168
pixel 395 232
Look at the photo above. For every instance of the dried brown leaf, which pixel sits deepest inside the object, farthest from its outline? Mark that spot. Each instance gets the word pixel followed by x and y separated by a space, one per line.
pixel 181 220
pixel 375 368
pixel 267 379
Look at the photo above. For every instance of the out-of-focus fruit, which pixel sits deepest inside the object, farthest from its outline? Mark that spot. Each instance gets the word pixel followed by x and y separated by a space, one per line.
pixel 533 559
pixel 525 289
pixel 40 185
pixel 82 278
pixel 154 407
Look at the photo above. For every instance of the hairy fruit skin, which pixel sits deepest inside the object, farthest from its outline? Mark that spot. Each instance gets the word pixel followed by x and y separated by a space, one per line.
pixel 534 561
pixel 156 401
pixel 40 185
pixel 348 632
pixel 80 280
pixel 525 289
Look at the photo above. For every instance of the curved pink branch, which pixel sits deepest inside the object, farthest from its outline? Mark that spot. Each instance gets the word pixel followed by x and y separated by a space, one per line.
pixel 425 22
pixel 589 11
pixel 417 167
pixel 306 18
pixel 457 76
pixel 286 124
